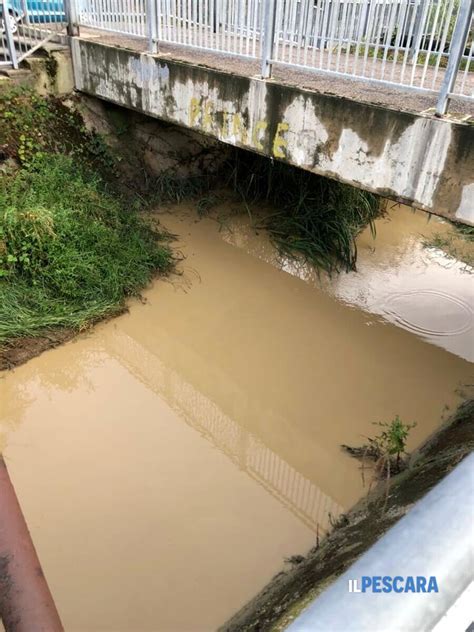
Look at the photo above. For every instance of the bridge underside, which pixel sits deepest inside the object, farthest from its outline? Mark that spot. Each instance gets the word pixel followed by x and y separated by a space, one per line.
pixel 407 156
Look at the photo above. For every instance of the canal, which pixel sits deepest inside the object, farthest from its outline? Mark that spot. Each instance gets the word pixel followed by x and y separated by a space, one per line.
pixel 170 460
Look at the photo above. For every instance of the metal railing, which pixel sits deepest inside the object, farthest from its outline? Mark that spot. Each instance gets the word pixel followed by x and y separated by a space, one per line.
pixel 404 42
pixel 26 25
pixel 433 539
pixel 422 45
pixel 129 17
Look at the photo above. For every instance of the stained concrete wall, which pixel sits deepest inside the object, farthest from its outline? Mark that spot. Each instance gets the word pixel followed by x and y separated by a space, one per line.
pixel 417 159
pixel 149 147
pixel 49 73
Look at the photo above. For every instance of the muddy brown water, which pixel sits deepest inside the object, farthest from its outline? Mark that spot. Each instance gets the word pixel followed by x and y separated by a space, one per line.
pixel 170 460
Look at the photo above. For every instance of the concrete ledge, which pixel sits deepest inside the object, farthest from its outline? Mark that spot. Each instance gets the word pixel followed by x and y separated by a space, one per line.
pixel 417 159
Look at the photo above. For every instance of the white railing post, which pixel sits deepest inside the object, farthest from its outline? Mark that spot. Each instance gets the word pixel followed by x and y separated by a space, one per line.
pixel 458 43
pixel 420 19
pixel 24 9
pixel 8 33
pixel 153 15
pixel 268 37
pixel 71 17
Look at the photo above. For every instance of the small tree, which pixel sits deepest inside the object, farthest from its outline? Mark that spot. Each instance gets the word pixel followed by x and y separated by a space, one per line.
pixel 385 451
pixel 391 442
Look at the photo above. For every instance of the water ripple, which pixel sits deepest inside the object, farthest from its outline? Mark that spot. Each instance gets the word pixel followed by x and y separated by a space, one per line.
pixel 430 312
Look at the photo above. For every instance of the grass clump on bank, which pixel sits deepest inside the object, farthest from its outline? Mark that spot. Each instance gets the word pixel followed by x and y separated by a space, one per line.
pixel 70 252
pixel 171 188
pixel 457 243
pixel 316 219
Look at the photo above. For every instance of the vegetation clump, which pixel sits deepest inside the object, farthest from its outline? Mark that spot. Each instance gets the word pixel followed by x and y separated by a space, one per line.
pixel 313 219
pixel 72 248
pixel 32 126
pixel 457 243
pixel 172 188
pixel 387 449
pixel 316 219
pixel 389 446
pixel 387 452
pixel 70 252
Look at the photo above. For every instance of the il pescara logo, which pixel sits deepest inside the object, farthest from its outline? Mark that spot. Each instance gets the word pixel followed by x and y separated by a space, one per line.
pixel 397 584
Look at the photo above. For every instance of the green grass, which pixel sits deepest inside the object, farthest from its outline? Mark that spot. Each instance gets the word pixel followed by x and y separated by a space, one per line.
pixel 32 126
pixel 315 219
pixel 169 187
pixel 70 251
pixel 458 244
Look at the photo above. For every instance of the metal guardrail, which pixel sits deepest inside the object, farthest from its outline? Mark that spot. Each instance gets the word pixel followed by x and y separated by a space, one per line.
pixel 433 539
pixel 26 25
pixel 422 45
pixel 400 42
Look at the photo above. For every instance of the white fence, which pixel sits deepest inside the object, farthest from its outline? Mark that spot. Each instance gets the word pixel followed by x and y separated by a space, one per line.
pixel 121 16
pixel 405 42
pixel 29 24
pixel 399 42
pixel 425 45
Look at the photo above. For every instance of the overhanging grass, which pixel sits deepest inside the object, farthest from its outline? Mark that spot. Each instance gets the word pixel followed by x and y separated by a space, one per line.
pixel 169 187
pixel 70 252
pixel 316 219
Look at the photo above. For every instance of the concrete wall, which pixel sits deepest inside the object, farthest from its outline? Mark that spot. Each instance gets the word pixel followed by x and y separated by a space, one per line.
pixel 149 147
pixel 48 74
pixel 417 159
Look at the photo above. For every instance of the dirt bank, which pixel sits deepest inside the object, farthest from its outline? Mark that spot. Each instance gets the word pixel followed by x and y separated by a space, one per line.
pixel 291 590
pixel 20 350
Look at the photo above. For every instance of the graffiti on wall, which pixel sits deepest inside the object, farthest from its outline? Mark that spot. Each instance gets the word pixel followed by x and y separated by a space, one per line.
pixel 231 127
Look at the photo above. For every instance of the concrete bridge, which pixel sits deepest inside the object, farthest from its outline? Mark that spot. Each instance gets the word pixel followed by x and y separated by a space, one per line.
pixel 382 136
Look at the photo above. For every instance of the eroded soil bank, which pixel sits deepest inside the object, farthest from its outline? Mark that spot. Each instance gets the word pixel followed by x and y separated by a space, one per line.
pixel 179 453
pixel 20 350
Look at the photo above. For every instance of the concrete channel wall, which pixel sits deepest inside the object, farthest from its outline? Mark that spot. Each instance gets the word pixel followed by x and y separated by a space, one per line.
pixel 414 158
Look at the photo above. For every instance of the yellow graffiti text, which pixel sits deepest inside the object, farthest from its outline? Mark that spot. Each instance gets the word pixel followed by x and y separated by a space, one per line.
pixel 238 129
pixel 259 127
pixel 279 143
pixel 194 111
